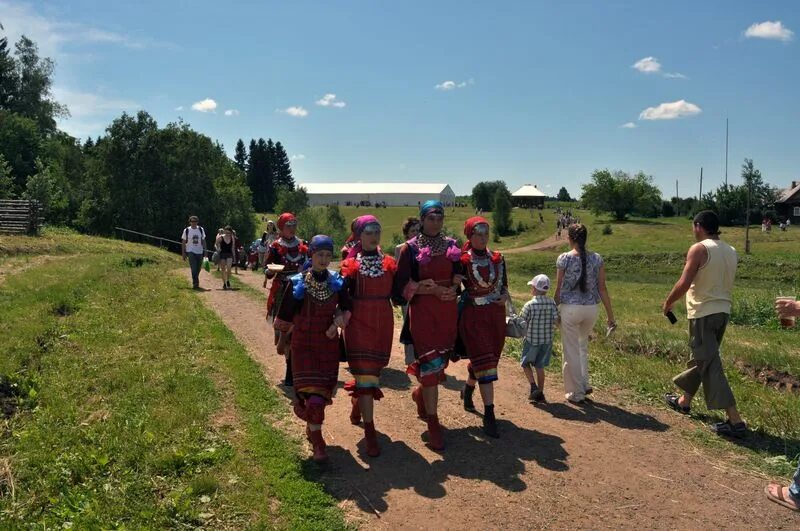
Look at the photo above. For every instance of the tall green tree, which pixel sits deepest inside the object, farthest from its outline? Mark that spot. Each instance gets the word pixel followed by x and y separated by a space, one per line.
pixel 9 81
pixel 501 212
pixel 484 193
pixel 622 195
pixel 563 195
pixel 34 95
pixel 240 156
pixel 20 141
pixel 283 167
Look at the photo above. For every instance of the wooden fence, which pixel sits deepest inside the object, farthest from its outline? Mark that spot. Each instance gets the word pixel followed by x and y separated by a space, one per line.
pixel 20 216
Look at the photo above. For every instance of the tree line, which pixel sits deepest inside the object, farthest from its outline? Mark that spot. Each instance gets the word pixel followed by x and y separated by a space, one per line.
pixel 137 175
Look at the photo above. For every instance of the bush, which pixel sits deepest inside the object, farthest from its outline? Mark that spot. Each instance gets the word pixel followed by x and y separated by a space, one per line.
pixel 294 201
pixel 501 215
pixel 607 230
pixel 521 227
pixel 667 209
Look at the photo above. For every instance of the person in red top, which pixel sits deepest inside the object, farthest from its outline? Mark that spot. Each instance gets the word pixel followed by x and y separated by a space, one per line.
pixel 285 257
pixel 428 272
pixel 369 277
pixel 482 325
pixel 314 306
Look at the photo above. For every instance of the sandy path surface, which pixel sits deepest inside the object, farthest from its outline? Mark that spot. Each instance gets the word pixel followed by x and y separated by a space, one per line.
pixel 606 465
pixel 549 243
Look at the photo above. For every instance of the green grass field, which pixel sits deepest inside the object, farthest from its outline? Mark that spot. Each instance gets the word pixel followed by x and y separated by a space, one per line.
pixel 126 403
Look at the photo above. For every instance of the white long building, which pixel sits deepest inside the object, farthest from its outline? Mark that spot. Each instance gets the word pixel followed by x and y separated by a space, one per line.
pixel 392 194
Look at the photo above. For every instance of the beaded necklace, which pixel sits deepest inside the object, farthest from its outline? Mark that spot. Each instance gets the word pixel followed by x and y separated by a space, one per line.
pixel 370 265
pixel 319 290
pixel 438 244
pixel 291 244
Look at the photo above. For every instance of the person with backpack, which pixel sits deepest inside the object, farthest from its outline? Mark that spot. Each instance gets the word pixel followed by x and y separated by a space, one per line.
pixel 193 248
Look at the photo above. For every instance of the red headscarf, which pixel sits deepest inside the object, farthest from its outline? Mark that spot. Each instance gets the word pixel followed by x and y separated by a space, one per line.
pixel 469 227
pixel 284 219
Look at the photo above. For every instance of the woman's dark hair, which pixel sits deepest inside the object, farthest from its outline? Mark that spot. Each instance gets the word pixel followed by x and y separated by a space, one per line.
pixel 228 227
pixel 577 233
pixel 264 237
pixel 408 223
pixel 708 221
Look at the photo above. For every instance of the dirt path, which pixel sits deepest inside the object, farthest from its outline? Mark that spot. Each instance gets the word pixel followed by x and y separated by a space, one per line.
pixel 606 465
pixel 551 242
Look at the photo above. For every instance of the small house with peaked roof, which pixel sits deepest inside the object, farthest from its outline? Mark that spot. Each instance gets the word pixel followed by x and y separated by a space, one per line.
pixel 528 196
pixel 788 204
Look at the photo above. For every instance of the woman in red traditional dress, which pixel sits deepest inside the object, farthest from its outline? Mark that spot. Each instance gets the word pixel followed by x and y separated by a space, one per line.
pixel 316 303
pixel 427 277
pixel 369 277
pixel 285 257
pixel 482 324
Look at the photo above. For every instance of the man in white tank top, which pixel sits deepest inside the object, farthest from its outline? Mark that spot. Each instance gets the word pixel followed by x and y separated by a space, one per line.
pixel 707 282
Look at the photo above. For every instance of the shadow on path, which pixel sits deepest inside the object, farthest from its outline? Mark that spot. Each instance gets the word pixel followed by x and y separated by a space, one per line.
pixel 592 411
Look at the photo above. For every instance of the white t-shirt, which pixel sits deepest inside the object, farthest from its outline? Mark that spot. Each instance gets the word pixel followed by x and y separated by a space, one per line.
pixel 194 239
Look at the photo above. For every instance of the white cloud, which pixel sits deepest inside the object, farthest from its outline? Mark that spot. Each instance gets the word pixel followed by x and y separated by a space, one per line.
pixel 90 112
pixel 452 85
pixel 297 112
pixel 179 108
pixel 651 65
pixel 298 156
pixel 647 65
pixel 628 125
pixel 206 105
pixel 769 30
pixel 232 112
pixel 329 100
pixel 670 111
pixel 52 34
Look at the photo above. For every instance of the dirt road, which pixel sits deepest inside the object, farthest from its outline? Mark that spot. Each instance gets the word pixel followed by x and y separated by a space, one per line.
pixel 606 465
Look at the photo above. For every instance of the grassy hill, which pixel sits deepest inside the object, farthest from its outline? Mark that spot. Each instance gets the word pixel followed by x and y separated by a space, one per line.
pixel 125 402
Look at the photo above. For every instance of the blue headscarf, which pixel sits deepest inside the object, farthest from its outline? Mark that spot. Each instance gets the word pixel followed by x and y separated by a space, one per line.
pixel 320 242
pixel 429 206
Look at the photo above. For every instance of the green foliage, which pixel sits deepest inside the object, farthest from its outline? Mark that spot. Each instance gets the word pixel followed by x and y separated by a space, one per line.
pixel 607 230
pixel 47 188
pixel 622 195
pixel 261 174
pixel 282 167
pixel 667 209
pixel 563 195
pixel 484 194
pixel 501 211
pixel 294 201
pixel 240 156
pixel 6 179
pixel 33 95
pixel 19 145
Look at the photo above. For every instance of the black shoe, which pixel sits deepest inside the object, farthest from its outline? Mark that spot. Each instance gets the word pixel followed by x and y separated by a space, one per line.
pixel 738 430
pixel 672 401
pixel 538 397
pixel 490 423
pixel 466 396
pixel 288 380
pixel 229 284
pixel 224 286
pixel 532 394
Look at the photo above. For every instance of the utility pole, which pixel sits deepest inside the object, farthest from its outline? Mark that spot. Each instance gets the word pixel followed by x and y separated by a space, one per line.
pixel 677 196
pixel 747 222
pixel 700 197
pixel 726 152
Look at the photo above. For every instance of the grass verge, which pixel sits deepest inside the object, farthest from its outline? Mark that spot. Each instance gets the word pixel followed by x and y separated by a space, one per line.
pixel 125 403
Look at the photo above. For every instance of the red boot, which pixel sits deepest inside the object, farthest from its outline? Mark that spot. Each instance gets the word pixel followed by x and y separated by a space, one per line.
pixel 300 410
pixel 435 436
pixel 320 456
pixel 373 450
pixel 355 413
pixel 416 394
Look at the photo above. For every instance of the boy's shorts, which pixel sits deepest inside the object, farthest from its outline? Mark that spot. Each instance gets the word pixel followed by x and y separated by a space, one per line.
pixel 537 356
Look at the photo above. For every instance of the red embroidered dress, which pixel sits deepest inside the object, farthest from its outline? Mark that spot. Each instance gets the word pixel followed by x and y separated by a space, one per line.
pixel 432 322
pixel 482 325
pixel 291 254
pixel 368 337
pixel 310 304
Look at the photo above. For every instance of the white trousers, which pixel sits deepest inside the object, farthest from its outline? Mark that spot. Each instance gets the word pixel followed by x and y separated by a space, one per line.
pixel 577 322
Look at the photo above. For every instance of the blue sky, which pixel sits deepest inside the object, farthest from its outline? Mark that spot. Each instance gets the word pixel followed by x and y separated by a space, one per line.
pixel 446 91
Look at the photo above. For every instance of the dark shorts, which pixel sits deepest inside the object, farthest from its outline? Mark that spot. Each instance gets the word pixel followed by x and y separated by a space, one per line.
pixel 537 356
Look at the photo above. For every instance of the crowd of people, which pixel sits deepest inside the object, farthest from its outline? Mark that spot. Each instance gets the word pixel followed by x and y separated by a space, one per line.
pixel 455 304
pixel 564 219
